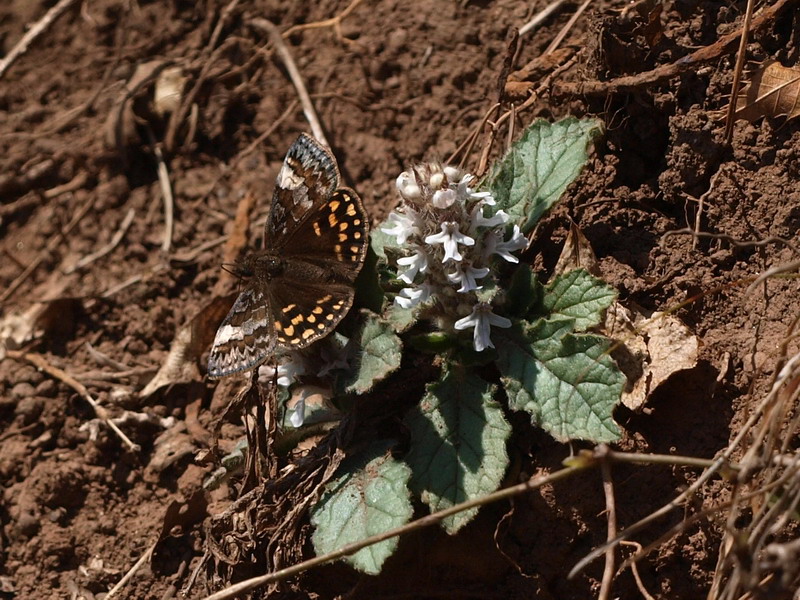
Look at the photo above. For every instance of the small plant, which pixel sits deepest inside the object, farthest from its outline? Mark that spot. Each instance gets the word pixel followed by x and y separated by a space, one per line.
pixel 454 287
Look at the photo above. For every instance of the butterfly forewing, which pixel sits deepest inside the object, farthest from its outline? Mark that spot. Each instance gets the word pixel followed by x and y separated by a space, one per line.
pixel 308 177
pixel 332 237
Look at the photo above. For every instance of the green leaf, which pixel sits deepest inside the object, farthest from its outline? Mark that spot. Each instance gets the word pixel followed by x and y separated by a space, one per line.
pixel 458 444
pixel 380 242
pixel 539 167
pixel 369 293
pixel 435 342
pixel 400 318
pixel 369 498
pixel 568 383
pixel 379 351
pixel 487 291
pixel 524 292
pixel 580 296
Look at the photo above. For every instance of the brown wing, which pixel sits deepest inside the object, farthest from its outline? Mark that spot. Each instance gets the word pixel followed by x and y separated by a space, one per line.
pixel 307 311
pixel 245 339
pixel 308 177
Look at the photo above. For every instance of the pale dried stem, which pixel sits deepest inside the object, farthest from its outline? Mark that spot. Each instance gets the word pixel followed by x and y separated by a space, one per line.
pixel 540 17
pixel 39 362
pixel 611 520
pixel 131 572
pixel 737 71
pixel 108 248
pixel 294 74
pixel 569 25
pixel 34 32
pixel 635 570
pixel 335 22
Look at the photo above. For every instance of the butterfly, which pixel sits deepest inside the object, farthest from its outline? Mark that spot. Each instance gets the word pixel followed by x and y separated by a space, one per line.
pixel 298 288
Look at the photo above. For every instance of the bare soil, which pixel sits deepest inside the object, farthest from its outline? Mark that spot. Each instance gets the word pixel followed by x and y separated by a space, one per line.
pixel 399 82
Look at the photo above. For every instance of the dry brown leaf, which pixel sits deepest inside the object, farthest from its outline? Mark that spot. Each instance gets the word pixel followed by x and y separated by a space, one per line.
pixel 577 253
pixel 773 91
pixel 651 349
pixel 189 343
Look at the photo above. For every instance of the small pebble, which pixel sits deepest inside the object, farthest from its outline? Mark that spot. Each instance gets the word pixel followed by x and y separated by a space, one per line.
pixel 29 408
pixel 23 390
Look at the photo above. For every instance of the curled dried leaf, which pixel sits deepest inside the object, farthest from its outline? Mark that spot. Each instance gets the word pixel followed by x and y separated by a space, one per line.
pixel 773 91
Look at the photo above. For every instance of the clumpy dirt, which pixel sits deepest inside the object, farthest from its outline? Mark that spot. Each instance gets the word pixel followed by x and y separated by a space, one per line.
pixel 395 83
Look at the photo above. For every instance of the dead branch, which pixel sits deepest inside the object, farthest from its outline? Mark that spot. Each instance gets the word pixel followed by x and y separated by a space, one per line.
pixel 101 252
pixel 737 72
pixel 294 74
pixel 335 22
pixel 34 32
pixel 38 361
pixel 611 518
pixel 686 64
pixel 540 17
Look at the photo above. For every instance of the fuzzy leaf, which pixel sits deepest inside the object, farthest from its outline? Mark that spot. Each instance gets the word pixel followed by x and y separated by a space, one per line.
pixel 568 383
pixel 400 318
pixel 580 296
pixel 524 292
pixel 380 242
pixel 380 351
pixel 369 498
pixel 539 167
pixel 458 444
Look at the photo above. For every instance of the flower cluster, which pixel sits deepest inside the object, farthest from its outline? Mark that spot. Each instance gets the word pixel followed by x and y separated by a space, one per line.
pixel 449 244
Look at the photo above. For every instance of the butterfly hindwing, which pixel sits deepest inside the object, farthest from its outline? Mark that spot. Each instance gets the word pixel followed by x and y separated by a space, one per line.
pixel 308 311
pixel 245 338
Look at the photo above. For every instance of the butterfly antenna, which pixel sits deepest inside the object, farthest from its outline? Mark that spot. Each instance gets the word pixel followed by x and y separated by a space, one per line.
pixel 232 269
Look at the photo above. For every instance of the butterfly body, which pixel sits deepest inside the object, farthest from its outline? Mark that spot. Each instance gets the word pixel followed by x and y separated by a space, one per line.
pixel 301 285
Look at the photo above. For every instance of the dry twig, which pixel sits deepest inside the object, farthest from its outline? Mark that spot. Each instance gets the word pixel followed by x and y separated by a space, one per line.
pixel 34 32
pixel 131 572
pixel 101 252
pixel 737 71
pixel 335 22
pixel 569 25
pixel 39 362
pixel 611 519
pixel 540 17
pixel 166 195
pixel 294 74
pixel 686 64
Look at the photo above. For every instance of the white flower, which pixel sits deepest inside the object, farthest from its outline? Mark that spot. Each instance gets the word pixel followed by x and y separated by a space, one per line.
pixel 453 174
pixel 450 237
pixel 416 263
pixel 467 277
pixel 494 245
pixel 407 186
pixel 298 416
pixel 444 198
pixel 287 372
pixel 478 220
pixel 482 318
pixel 401 226
pixel 467 193
pixel 410 297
